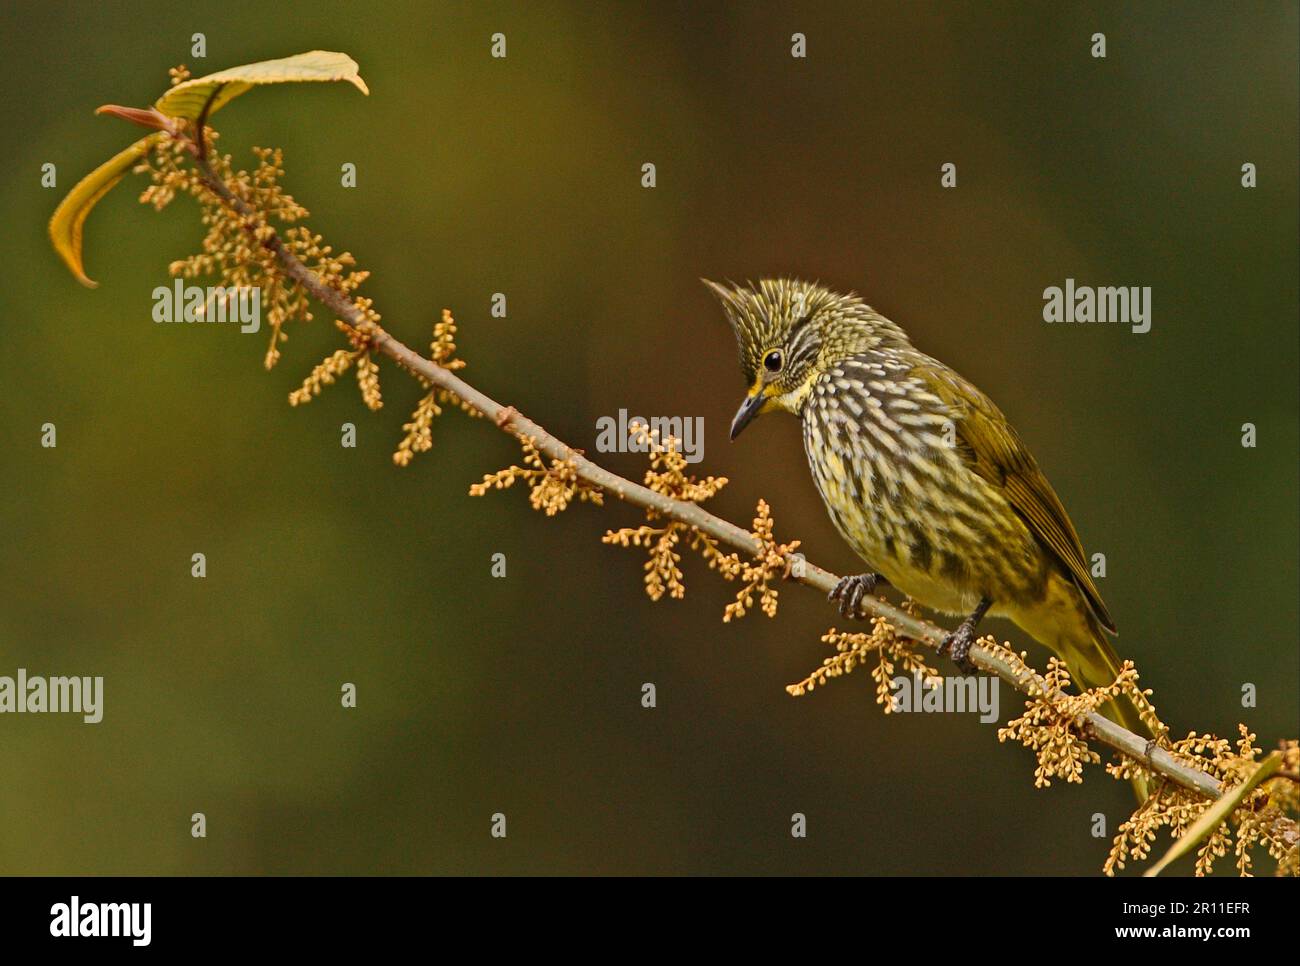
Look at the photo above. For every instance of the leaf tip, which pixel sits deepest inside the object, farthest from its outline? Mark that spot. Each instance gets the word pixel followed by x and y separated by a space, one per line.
pixel 146 117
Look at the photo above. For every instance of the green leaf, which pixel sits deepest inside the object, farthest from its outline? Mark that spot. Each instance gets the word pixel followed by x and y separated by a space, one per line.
pixel 70 216
pixel 186 100
pixel 1216 814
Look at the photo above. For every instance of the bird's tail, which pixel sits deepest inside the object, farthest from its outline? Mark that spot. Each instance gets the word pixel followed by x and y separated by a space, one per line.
pixel 1092 662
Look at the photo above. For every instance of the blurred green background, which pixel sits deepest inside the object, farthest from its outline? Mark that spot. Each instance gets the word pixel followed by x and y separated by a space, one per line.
pixel 522 176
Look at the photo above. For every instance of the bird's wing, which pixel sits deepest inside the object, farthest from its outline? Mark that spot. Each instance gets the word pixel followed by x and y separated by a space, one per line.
pixel 993 450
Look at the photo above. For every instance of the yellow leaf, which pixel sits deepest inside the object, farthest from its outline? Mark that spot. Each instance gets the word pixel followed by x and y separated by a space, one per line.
pixel 186 100
pixel 70 216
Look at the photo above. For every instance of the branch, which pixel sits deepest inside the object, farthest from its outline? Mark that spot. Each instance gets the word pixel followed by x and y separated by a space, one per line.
pixel 511 421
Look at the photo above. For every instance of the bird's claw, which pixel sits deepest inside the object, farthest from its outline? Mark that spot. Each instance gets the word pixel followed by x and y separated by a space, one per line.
pixel 957 645
pixel 851 590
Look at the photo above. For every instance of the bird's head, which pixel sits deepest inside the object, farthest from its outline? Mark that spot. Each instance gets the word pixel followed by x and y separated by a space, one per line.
pixel 789 332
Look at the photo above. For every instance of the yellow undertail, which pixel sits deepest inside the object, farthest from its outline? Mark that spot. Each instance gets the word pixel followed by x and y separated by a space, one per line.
pixel 1093 663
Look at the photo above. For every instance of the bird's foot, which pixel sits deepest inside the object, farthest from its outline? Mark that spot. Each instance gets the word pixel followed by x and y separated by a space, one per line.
pixel 850 591
pixel 957 645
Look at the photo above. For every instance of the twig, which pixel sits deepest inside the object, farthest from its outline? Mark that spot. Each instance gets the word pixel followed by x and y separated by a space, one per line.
pixel 512 421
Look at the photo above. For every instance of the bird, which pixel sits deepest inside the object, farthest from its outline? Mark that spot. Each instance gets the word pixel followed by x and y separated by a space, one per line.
pixel 923 476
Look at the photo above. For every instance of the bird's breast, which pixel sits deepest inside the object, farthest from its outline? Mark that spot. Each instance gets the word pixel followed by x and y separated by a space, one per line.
pixel 884 456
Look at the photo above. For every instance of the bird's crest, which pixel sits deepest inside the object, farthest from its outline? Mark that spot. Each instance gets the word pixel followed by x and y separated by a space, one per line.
pixel 767 314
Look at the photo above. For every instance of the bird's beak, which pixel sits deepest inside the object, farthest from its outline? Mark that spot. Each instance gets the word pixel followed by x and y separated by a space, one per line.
pixel 746 413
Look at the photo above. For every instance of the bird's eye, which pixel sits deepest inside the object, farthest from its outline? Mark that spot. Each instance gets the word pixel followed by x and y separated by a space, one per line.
pixel 772 361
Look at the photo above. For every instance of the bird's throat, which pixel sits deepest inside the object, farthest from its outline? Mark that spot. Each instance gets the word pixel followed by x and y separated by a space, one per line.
pixel 793 401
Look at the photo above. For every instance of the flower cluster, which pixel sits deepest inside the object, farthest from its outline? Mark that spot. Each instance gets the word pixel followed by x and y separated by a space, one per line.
pixel 1262 818
pixel 853 648
pixel 551 488
pixel 419 431
pixel 667 476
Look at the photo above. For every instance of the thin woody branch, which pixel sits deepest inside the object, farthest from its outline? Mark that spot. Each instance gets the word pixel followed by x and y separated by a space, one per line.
pixel 511 421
